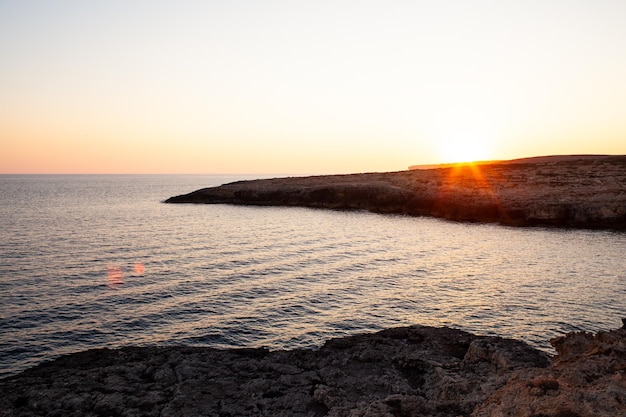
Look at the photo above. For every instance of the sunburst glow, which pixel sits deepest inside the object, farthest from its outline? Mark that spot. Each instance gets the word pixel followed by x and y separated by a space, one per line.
pixel 465 148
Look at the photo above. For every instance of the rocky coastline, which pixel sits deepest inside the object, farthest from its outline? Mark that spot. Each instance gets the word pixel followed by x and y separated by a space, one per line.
pixel 406 371
pixel 587 192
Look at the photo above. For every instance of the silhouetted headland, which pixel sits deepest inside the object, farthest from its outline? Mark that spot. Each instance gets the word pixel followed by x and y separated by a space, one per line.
pixel 576 191
pixel 405 371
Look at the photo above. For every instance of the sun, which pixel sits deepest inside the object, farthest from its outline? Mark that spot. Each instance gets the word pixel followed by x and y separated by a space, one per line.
pixel 464 148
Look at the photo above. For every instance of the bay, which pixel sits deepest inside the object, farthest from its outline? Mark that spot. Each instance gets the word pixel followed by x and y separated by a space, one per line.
pixel 91 261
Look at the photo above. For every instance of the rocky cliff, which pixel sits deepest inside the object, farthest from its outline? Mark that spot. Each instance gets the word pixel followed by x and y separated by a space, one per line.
pixel 585 192
pixel 408 371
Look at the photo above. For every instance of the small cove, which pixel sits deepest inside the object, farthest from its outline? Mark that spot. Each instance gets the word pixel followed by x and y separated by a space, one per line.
pixel 226 276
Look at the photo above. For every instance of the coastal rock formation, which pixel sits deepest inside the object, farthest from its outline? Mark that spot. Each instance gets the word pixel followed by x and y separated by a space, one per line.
pixel 584 192
pixel 588 379
pixel 407 371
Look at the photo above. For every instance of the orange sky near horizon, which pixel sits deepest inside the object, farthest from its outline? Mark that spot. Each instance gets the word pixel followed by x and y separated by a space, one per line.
pixel 306 87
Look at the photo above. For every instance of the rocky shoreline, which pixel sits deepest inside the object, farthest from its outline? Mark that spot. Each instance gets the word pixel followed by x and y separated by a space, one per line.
pixel 586 192
pixel 406 371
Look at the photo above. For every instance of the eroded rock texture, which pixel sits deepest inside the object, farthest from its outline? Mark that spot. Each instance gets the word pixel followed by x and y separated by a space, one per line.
pixel 408 371
pixel 588 379
pixel 589 192
pixel 404 371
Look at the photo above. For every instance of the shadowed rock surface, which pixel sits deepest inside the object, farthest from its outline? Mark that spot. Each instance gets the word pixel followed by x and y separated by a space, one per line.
pixel 408 371
pixel 579 192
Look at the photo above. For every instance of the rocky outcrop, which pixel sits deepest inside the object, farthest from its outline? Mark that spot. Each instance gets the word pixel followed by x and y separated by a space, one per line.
pixel 589 192
pixel 588 379
pixel 408 371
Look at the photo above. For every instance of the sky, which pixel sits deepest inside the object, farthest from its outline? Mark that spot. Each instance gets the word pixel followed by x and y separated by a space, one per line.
pixel 306 87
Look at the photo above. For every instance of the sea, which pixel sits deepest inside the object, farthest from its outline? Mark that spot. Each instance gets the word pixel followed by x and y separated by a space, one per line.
pixel 93 261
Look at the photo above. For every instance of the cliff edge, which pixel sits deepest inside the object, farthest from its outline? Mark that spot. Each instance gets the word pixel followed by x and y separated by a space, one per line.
pixel 407 371
pixel 586 192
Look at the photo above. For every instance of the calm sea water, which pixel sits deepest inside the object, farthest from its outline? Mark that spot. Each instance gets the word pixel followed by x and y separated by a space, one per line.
pixel 95 261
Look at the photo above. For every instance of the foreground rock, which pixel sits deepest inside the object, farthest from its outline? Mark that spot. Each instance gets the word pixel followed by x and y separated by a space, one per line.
pixel 579 192
pixel 588 378
pixel 409 371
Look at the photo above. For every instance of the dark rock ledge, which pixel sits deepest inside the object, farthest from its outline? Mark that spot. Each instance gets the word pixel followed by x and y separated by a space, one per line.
pixel 585 192
pixel 408 371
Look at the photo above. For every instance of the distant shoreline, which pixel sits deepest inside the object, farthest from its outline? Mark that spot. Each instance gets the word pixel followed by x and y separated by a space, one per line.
pixel 529 160
pixel 569 191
